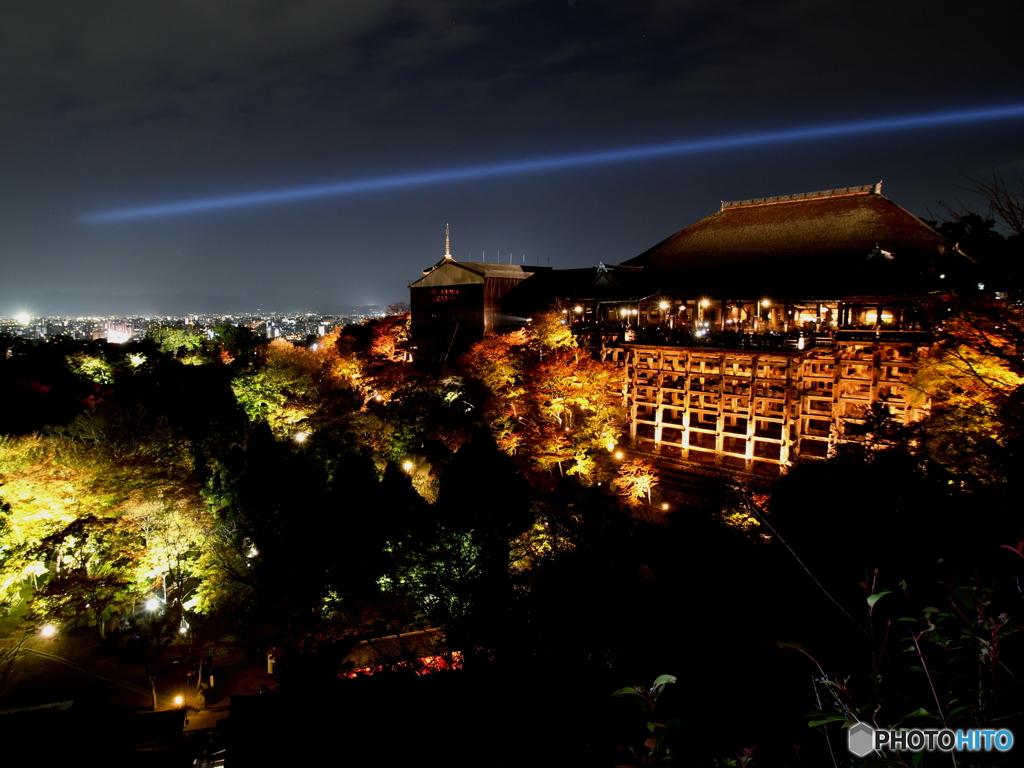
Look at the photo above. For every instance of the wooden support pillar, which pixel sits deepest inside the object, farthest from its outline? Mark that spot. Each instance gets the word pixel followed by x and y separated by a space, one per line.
pixel 751 420
pixel 720 418
pixel 658 400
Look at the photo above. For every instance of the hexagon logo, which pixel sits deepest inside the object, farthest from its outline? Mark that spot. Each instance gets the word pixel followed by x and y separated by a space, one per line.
pixel 860 739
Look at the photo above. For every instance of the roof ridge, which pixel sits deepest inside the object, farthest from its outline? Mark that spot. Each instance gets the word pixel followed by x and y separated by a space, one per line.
pixel 865 189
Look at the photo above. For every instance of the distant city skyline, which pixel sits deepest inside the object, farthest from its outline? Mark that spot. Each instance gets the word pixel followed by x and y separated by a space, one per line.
pixel 187 303
pixel 298 327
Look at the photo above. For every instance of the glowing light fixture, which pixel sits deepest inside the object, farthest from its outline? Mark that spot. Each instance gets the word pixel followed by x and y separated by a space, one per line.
pixel 408 466
pixel 469 173
pixel 23 319
pixel 152 604
pixel 47 630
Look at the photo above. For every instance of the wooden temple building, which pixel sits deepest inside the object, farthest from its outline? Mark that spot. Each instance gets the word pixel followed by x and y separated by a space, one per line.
pixel 765 332
pixel 456 303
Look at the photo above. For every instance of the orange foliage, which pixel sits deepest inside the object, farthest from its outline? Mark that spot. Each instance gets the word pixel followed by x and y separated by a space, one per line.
pixel 388 338
pixel 550 403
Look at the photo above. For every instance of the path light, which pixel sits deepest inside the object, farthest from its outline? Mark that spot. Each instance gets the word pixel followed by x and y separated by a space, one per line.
pixel 620 455
pixel 408 466
pixel 179 700
pixel 47 630
pixel 152 604
pixel 664 507
pixel 300 437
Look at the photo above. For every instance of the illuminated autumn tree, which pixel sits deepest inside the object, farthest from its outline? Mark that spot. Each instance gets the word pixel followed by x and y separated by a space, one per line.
pixel 388 338
pixel 92 367
pixel 174 535
pixel 550 331
pixel 580 400
pixel 284 386
pixel 92 566
pixel 338 351
pixel 112 463
pixel 635 481
pixel 549 402
pixel 974 380
pixel 496 363
pixel 177 340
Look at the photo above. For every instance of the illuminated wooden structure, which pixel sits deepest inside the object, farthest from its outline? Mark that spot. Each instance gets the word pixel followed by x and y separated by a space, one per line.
pixel 758 411
pixel 759 335
pixel 767 331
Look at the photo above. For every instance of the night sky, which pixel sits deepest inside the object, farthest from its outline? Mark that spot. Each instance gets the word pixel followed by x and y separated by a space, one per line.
pixel 113 104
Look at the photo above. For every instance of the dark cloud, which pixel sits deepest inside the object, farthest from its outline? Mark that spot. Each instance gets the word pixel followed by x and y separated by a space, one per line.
pixel 113 102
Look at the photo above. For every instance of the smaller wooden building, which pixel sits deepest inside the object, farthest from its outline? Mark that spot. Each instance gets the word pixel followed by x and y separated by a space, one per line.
pixel 456 303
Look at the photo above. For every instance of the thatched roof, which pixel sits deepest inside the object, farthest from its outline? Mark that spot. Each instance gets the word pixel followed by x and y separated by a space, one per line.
pixel 390 649
pixel 831 243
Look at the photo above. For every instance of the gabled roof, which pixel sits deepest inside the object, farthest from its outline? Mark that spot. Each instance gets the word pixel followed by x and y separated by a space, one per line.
pixel 835 242
pixel 448 271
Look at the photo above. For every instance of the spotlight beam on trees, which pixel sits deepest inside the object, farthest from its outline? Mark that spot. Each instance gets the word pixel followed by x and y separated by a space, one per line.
pixel 469 173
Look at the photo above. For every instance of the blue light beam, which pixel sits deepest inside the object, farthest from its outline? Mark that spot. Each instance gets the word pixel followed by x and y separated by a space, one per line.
pixel 423 178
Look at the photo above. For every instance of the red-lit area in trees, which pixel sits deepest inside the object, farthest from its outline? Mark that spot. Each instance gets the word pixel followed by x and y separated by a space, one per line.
pixel 425 665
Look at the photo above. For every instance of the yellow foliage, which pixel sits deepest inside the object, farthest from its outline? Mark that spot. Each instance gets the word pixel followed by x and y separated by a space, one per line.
pixel 339 360
pixel 50 483
pixel 975 367
pixel 494 362
pixel 635 481
pixel 740 519
pixel 551 331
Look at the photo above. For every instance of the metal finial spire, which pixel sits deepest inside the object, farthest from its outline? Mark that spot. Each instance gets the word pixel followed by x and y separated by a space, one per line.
pixel 447 243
